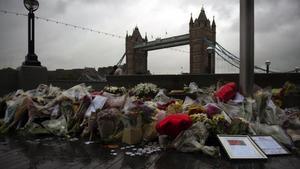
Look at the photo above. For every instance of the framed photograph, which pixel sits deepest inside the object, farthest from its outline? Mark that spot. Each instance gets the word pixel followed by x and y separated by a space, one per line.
pixel 241 147
pixel 269 145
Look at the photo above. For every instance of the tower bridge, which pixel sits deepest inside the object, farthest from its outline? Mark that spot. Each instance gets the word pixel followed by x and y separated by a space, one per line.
pixel 201 28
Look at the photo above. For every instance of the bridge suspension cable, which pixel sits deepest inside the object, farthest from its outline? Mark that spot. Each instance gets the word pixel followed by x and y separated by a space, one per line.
pixel 219 49
pixel 121 60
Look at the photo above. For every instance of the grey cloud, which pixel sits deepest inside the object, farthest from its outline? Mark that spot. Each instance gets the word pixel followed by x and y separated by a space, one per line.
pixel 11 4
pixel 60 6
pixel 223 8
pixel 272 15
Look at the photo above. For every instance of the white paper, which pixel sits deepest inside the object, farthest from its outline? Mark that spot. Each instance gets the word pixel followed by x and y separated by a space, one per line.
pixel 55 110
pixel 240 148
pixel 243 149
pixel 238 98
pixel 269 145
pixel 97 103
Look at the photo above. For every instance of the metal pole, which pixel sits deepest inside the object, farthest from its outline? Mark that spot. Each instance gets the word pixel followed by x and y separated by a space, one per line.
pixel 32 40
pixel 209 62
pixel 29 35
pixel 246 46
pixel 210 59
pixel 213 62
pixel 268 63
pixel 31 58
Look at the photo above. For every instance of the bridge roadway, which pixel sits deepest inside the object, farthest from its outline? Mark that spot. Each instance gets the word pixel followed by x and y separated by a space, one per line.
pixel 164 43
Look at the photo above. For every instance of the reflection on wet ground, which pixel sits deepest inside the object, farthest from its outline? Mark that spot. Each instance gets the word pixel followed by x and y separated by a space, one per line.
pixel 59 153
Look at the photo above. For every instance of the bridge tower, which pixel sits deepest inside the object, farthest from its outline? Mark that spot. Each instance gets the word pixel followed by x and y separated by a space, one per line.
pixel 136 59
pixel 200 29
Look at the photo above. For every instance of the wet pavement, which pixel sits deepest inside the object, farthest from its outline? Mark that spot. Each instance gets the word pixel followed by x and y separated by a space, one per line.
pixel 52 153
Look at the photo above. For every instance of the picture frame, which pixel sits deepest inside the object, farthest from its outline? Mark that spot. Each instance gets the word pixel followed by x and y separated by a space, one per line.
pixel 269 145
pixel 241 147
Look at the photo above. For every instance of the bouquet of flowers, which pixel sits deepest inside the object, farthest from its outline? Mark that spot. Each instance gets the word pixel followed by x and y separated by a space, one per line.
pixel 199 117
pixel 115 89
pixel 218 124
pixel 145 89
pixel 192 88
pixel 238 126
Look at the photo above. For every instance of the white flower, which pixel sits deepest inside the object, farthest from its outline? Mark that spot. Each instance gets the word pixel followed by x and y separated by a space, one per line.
pixel 145 88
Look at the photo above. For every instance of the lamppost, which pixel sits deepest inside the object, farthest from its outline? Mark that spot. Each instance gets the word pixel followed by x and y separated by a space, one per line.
pixel 268 63
pixel 246 77
pixel 31 58
pixel 210 51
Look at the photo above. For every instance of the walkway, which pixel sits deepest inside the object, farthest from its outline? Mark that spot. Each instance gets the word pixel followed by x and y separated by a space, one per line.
pixel 51 153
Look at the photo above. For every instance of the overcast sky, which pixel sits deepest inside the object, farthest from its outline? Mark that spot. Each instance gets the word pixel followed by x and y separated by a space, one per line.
pixel 277 35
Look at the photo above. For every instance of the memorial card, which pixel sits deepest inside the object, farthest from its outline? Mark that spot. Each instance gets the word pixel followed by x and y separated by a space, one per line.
pixel 240 147
pixel 269 145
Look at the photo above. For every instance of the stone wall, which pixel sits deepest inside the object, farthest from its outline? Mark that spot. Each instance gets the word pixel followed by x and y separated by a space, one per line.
pixel 66 84
pixel 178 81
pixel 61 78
pixel 9 80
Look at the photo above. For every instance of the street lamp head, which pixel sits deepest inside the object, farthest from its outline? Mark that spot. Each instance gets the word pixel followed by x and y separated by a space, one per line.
pixel 31 5
pixel 268 63
pixel 210 49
